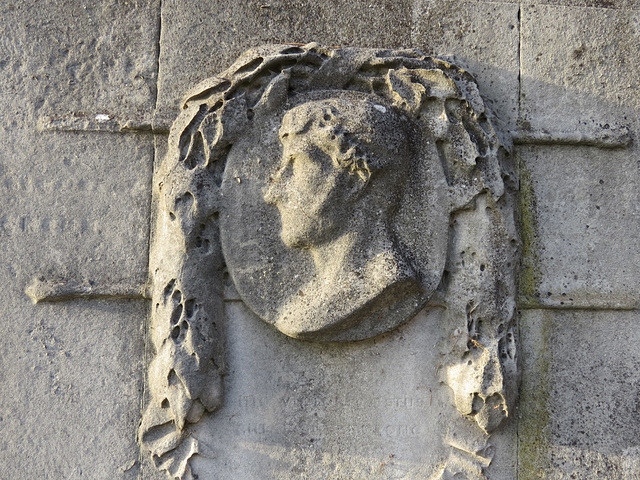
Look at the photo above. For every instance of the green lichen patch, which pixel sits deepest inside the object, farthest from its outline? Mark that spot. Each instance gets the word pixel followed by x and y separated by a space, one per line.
pixel 533 426
pixel 530 273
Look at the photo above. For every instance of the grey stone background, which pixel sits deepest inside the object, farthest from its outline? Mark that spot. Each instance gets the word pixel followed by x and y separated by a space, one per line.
pixel 76 199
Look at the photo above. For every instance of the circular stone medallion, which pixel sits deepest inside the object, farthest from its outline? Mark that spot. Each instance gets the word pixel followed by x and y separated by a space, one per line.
pixel 334 221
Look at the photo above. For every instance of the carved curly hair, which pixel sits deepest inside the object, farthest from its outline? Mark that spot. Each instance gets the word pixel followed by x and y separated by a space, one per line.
pixel 362 137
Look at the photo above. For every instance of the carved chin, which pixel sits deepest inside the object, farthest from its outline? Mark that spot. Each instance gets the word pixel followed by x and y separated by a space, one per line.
pixel 294 239
pixel 296 234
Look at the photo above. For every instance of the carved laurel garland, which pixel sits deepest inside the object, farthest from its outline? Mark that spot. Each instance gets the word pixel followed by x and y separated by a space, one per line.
pixel 186 263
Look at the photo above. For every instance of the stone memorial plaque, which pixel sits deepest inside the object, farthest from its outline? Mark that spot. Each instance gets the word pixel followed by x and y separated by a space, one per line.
pixel 369 409
pixel 356 207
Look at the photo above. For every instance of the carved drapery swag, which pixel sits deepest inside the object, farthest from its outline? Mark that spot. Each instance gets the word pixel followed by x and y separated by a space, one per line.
pixel 477 286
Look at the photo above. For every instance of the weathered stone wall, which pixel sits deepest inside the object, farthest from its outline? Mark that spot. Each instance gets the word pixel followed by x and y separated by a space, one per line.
pixel 87 95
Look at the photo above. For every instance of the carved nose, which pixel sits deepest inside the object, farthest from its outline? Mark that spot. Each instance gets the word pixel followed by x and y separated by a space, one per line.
pixel 275 191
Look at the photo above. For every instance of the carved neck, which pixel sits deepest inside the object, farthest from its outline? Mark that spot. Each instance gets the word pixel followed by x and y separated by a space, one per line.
pixel 358 275
pixel 351 252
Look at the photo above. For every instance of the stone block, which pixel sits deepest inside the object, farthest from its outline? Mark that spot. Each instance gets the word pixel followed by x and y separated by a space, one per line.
pixel 71 56
pixel 72 378
pixel 579 395
pixel 77 207
pixel 601 4
pixel 586 81
pixel 582 220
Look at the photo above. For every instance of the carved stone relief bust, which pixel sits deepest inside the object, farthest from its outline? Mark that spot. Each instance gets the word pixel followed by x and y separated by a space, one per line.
pixel 344 191
pixel 338 172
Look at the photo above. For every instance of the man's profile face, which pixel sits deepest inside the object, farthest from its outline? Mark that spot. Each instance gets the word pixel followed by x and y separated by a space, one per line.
pixel 309 191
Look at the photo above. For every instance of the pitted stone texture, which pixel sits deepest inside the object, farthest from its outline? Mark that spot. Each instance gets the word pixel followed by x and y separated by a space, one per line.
pixel 585 200
pixel 340 219
pixel 74 206
pixel 75 203
pixel 587 80
pixel 72 377
pixel 601 4
pixel 586 234
pixel 77 207
pixel 318 296
pixel 69 56
pixel 482 37
pixel 579 396
pixel 199 40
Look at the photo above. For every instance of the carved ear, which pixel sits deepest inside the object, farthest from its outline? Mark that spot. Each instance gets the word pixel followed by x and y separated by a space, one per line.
pixel 364 174
pixel 357 183
pixel 355 164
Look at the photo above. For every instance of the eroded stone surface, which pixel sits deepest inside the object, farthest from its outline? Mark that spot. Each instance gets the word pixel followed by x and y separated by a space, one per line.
pixel 587 230
pixel 75 206
pixel 579 400
pixel 358 410
pixel 302 127
pixel 595 4
pixel 81 398
pixel 586 81
pixel 482 37
pixel 340 243
pixel 81 58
